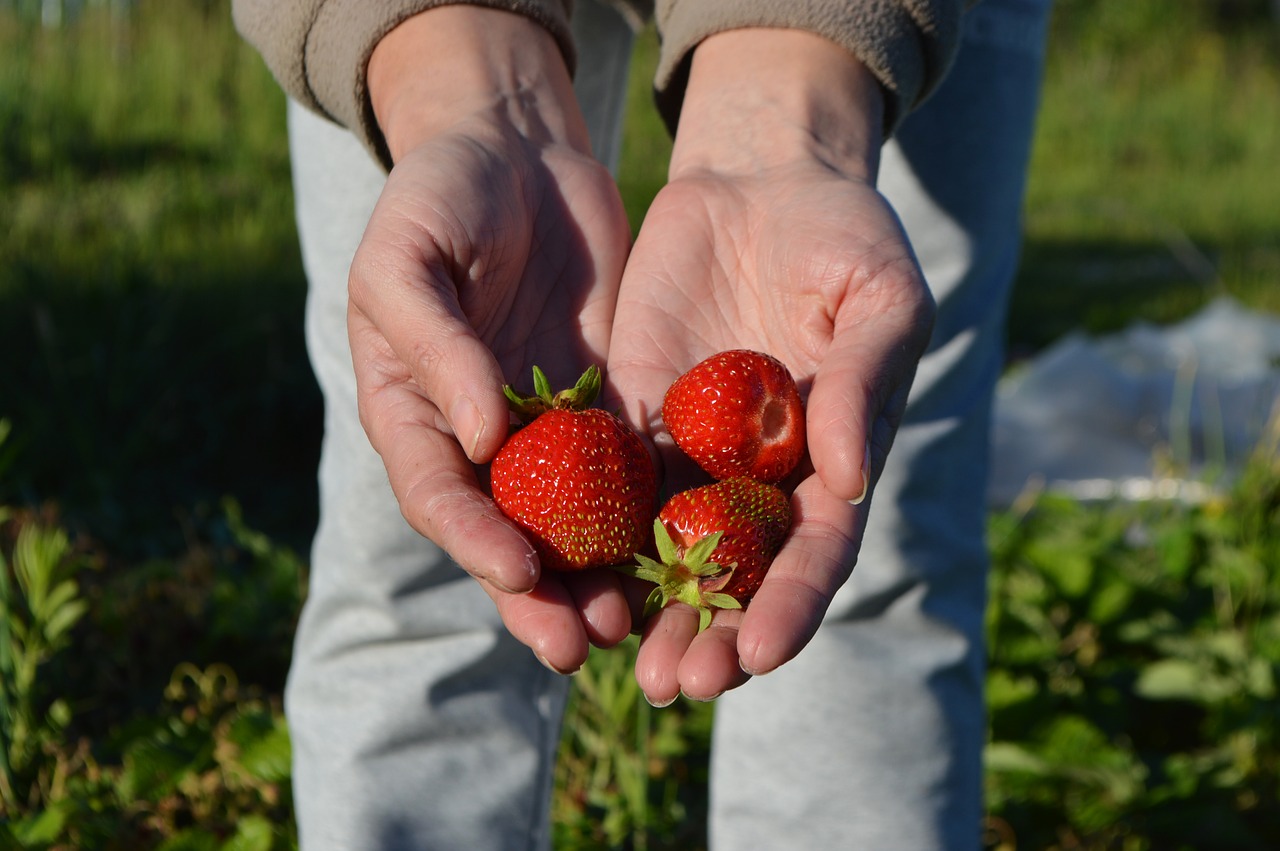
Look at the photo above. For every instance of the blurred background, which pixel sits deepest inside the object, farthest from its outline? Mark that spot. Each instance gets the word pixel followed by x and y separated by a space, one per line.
pixel 159 428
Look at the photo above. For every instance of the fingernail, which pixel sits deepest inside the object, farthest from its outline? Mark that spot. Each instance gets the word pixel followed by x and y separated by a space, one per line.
pixel 550 667
pixel 524 572
pixel 703 699
pixel 531 569
pixel 467 424
pixel 660 704
pixel 866 476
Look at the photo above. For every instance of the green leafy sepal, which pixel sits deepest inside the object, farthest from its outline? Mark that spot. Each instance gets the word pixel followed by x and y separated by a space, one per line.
pixel 579 397
pixel 684 580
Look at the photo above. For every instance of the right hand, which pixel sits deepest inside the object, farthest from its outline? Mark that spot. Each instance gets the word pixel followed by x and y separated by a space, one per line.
pixel 497 244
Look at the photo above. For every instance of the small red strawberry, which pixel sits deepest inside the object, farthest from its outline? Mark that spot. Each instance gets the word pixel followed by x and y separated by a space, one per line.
pixel 715 543
pixel 738 413
pixel 576 479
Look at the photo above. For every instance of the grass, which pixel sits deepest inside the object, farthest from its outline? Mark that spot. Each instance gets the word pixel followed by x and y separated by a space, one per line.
pixel 159 428
pixel 1150 188
pixel 646 148
pixel 151 294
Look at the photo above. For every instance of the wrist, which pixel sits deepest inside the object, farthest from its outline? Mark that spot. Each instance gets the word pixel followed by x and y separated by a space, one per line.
pixel 764 98
pixel 457 63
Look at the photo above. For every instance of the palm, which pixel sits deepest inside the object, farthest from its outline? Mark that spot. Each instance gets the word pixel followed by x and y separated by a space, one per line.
pixel 526 246
pixel 815 270
pixel 484 257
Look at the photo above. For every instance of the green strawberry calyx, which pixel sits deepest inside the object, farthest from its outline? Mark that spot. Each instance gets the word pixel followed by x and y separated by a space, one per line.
pixel 684 579
pixel 579 397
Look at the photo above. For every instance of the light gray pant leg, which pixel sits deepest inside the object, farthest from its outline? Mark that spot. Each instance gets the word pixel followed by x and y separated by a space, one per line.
pixel 872 738
pixel 417 721
pixel 406 699
pixel 604 42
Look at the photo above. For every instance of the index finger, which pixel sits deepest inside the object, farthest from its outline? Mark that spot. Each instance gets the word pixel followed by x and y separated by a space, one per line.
pixel 433 481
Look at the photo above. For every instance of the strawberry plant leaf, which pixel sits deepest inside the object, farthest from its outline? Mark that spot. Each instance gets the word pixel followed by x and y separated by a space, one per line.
pixel 253 833
pixel 1172 679
pixel 262 745
pixel 41 829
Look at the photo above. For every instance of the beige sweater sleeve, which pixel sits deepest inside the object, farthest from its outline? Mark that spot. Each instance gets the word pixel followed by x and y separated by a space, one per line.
pixel 907 44
pixel 319 49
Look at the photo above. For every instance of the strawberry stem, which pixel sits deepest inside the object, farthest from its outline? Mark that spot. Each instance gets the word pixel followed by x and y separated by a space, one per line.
pixel 680 579
pixel 577 398
pixel 582 395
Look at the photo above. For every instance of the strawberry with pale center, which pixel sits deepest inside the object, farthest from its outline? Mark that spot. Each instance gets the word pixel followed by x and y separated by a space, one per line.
pixel 738 413
pixel 576 479
pixel 715 544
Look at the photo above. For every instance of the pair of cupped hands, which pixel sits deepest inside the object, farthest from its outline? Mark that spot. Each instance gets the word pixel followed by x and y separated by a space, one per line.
pixel 499 243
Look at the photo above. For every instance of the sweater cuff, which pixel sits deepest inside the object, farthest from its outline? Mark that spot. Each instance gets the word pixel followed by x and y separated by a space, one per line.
pixel 326 72
pixel 908 45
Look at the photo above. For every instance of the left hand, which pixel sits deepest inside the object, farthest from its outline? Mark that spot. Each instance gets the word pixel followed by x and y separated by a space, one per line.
pixel 773 241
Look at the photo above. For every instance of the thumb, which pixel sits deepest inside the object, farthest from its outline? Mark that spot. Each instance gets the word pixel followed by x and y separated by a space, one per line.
pixel 859 393
pixel 414 307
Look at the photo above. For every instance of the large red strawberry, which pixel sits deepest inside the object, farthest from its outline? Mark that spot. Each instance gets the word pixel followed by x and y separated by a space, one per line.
pixel 738 413
pixel 715 543
pixel 575 478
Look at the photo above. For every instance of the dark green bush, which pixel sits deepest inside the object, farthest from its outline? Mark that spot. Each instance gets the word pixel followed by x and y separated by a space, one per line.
pixel 1134 659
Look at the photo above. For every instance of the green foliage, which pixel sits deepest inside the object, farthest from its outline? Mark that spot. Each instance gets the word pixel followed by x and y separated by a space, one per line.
pixel 629 776
pixel 39 604
pixel 209 766
pixel 646 149
pixel 1151 184
pixel 151 290
pixel 210 770
pixel 153 362
pixel 214 765
pixel 1134 658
